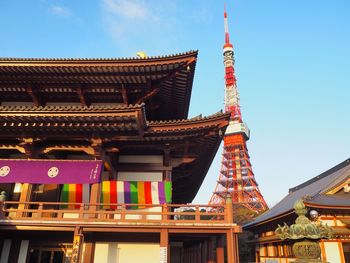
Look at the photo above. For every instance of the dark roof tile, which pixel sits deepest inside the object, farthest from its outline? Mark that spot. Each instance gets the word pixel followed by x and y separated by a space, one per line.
pixel 312 191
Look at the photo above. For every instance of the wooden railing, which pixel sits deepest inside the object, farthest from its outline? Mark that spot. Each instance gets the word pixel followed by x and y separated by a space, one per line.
pixel 119 213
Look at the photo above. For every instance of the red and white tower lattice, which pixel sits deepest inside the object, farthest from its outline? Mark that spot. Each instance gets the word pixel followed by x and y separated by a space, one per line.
pixel 236 179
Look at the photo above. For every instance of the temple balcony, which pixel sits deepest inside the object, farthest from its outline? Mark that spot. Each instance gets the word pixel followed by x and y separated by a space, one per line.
pixel 62 214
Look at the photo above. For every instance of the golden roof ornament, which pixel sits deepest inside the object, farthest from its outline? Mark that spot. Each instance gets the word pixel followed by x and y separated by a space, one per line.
pixel 141 54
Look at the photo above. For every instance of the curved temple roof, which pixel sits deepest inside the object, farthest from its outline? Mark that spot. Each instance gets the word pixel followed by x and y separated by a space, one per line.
pixel 314 192
pixel 164 82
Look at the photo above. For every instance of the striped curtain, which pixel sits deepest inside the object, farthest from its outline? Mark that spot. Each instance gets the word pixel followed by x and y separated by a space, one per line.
pixel 132 192
pixel 75 193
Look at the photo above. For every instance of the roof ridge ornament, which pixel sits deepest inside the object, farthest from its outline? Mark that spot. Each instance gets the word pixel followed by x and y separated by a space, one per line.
pixel 141 54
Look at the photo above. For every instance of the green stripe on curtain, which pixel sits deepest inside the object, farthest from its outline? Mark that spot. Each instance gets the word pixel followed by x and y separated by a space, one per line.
pixel 134 194
pixel 65 195
pixel 168 192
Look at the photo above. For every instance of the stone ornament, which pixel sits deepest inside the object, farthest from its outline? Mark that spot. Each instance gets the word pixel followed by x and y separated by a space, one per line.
pixel 307 232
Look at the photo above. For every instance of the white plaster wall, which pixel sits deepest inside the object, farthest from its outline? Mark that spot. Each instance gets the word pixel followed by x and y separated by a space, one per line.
pixel 332 252
pixel 113 252
pixel 106 252
pixel 145 253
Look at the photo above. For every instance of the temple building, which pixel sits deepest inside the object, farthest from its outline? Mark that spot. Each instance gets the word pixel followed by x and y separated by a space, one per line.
pixel 328 197
pixel 99 162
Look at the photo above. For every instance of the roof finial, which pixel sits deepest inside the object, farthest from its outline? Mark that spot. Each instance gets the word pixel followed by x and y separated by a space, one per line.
pixel 141 54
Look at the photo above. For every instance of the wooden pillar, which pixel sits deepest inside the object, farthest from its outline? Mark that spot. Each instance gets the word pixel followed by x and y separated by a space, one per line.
pixel 193 255
pixel 89 252
pixel 195 252
pixel 185 255
pixel 220 255
pixel 78 241
pixel 199 252
pixel 235 246
pixel 164 246
pixel 26 192
pixel 211 249
pixel 94 198
pixel 232 254
pixel 229 211
pixel 205 251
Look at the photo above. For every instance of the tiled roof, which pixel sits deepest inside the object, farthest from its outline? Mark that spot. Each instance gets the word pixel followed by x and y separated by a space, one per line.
pixel 123 59
pixel 166 79
pixel 313 192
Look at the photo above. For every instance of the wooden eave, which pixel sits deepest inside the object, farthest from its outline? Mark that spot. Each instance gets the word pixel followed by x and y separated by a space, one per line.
pixel 164 82
pixel 71 121
pixel 195 141
pixel 204 135
pixel 190 127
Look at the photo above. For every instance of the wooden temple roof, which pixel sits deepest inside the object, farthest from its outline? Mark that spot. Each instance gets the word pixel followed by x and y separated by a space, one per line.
pixel 71 121
pixel 165 83
pixel 314 192
pixel 192 143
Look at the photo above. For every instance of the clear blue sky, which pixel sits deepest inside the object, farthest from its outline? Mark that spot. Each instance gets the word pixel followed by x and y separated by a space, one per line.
pixel 292 66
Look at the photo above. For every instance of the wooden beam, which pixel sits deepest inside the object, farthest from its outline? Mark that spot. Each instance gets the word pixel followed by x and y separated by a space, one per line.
pixel 143 167
pixel 167 163
pixel 96 144
pixel 124 95
pixel 198 230
pixel 121 230
pixel 37 228
pixel 33 94
pixel 148 95
pixel 72 148
pixel 167 158
pixel 81 95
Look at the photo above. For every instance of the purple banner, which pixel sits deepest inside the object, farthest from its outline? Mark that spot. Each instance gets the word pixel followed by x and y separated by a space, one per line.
pixel 50 171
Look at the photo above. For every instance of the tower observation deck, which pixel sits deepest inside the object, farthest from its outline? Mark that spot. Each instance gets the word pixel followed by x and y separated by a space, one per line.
pixel 236 177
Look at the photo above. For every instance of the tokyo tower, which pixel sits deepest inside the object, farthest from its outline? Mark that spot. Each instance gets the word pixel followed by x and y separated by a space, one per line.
pixel 236 178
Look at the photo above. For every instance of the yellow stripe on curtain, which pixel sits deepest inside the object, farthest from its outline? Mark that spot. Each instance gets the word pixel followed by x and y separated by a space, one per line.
pixel 141 193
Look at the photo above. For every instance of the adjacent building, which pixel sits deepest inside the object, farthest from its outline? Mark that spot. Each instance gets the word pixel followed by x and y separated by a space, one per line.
pixel 329 195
